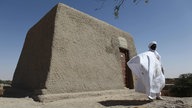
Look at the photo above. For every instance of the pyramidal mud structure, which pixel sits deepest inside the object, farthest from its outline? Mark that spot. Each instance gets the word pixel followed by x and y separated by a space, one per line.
pixel 68 51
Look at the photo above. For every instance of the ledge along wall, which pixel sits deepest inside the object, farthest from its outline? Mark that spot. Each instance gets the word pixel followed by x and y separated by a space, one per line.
pixel 69 51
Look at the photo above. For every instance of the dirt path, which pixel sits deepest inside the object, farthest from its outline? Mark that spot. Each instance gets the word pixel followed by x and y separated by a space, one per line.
pixel 126 99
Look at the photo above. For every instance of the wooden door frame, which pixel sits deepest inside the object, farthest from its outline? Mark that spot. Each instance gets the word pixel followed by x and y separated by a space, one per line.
pixel 128 80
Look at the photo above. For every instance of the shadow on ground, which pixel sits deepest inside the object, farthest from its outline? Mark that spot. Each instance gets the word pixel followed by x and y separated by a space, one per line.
pixel 109 103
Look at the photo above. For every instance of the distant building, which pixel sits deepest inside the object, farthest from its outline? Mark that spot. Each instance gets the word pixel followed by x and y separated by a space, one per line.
pixel 68 51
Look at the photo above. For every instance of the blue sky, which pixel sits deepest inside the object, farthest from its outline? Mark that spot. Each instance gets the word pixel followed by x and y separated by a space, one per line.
pixel 169 22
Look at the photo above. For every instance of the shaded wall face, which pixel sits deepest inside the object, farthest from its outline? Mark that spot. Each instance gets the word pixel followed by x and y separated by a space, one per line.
pixel 34 62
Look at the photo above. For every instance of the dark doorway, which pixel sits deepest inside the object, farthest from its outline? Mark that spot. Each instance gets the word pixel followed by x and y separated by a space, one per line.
pixel 127 74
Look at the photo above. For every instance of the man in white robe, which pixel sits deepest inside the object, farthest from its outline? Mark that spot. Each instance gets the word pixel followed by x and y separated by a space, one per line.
pixel 149 72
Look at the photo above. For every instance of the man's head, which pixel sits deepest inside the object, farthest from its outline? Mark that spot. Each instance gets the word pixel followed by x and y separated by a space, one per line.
pixel 152 45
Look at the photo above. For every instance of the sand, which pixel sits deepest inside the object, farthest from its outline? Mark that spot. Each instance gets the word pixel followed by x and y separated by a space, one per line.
pixel 110 99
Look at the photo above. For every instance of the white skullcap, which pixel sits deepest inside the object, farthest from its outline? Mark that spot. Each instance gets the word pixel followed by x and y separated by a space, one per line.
pixel 152 43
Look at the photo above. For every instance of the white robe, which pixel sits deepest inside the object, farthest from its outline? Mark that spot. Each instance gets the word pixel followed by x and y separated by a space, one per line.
pixel 148 72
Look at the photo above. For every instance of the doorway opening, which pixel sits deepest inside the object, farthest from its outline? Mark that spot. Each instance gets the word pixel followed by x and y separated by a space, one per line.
pixel 127 74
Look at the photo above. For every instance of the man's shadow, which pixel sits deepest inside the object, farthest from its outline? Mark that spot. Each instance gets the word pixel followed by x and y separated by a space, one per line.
pixel 109 103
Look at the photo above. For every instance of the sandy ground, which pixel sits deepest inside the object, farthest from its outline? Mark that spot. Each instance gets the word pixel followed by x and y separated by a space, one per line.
pixel 119 99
